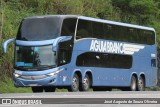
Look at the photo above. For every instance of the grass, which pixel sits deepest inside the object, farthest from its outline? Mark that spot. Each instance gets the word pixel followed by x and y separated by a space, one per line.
pixel 7 86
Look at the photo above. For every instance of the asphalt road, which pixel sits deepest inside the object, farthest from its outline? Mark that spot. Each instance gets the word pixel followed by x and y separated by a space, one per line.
pixel 82 99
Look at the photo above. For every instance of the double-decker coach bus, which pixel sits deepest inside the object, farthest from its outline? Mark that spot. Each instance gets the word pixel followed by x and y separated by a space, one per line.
pixel 78 52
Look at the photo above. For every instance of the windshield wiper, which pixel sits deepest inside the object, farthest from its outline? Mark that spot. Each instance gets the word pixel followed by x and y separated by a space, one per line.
pixel 21 68
pixel 35 68
pixel 45 67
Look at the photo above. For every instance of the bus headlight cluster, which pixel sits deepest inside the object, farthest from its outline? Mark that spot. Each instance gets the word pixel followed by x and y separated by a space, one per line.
pixel 17 75
pixel 56 72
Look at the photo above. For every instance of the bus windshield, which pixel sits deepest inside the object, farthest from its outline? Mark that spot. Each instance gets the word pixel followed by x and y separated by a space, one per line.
pixel 35 29
pixel 34 58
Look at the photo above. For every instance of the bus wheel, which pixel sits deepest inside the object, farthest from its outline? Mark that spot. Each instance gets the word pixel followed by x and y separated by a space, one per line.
pixel 141 84
pixel 49 89
pixel 133 84
pixel 37 89
pixel 85 84
pixel 75 84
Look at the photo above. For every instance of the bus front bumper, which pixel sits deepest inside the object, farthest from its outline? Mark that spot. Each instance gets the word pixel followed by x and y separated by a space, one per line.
pixel 30 81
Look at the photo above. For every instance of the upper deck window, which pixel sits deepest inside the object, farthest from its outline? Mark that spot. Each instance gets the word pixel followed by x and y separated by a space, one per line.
pixel 68 27
pixel 99 30
pixel 34 29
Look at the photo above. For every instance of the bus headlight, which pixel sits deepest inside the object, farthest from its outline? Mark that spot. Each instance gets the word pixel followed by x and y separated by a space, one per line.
pixel 56 72
pixel 17 75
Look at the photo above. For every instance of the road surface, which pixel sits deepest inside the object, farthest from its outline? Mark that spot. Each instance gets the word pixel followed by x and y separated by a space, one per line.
pixel 82 99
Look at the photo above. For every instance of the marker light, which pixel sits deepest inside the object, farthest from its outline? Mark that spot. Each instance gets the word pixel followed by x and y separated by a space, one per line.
pixel 17 75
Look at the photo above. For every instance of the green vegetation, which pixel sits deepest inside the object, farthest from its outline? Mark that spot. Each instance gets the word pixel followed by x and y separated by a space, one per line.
pixel 141 12
pixel 7 86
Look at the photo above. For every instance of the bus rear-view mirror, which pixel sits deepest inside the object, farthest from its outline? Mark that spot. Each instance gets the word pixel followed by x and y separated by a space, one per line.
pixel 5 44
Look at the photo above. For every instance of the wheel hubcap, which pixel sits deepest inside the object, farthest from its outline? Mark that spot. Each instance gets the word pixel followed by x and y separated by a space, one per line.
pixel 74 83
pixel 86 83
pixel 140 84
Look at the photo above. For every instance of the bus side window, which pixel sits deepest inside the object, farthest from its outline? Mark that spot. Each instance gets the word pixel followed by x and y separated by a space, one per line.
pixel 153 62
pixel 131 31
pixel 84 29
pixel 116 32
pixel 65 52
pixel 141 36
pixel 68 27
pixel 121 33
pixel 97 30
pixel 107 29
pixel 150 37
pixel 136 36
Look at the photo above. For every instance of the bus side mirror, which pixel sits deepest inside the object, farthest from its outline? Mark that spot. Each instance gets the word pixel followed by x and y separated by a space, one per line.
pixel 55 43
pixel 6 43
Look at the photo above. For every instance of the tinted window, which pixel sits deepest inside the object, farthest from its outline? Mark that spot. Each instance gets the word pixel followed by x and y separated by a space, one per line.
pixel 84 29
pixel 91 59
pixel 68 27
pixel 87 29
pixel 97 30
pixel 107 31
pixel 150 36
pixel 65 52
pixel 34 29
pixel 153 62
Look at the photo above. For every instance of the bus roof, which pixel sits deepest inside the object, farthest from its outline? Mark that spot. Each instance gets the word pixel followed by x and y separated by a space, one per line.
pixel 46 16
pixel 94 19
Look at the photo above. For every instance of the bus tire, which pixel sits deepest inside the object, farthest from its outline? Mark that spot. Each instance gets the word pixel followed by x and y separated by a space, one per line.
pixel 133 84
pixel 85 85
pixel 37 89
pixel 49 89
pixel 75 84
pixel 141 84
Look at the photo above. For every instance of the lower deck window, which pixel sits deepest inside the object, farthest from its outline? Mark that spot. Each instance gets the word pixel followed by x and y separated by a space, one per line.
pixel 91 59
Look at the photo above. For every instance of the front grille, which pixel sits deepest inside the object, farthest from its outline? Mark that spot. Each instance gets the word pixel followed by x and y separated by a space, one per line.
pixel 33 77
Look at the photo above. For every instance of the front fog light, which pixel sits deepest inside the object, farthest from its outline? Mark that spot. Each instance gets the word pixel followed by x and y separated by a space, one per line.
pixel 17 75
